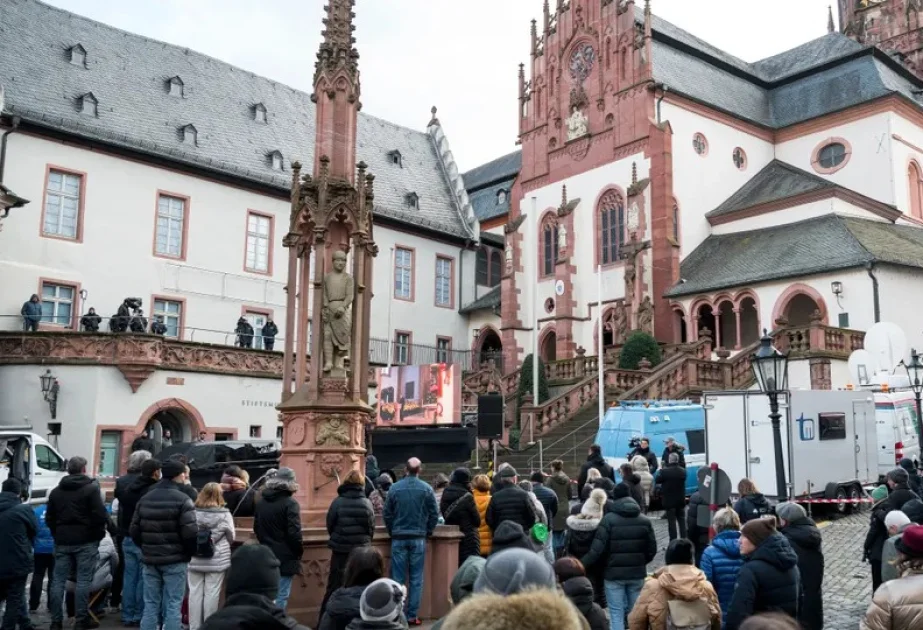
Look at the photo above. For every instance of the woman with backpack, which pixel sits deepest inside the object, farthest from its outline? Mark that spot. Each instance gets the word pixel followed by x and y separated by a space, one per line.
pixel 458 507
pixel 212 556
pixel 678 596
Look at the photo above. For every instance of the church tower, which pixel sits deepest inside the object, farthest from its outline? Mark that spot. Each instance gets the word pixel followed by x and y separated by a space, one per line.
pixel 895 26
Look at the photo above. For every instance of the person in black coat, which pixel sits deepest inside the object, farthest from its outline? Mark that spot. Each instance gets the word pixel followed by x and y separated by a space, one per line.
pixel 19 526
pixel 751 504
pixel 644 450
pixel 696 533
pixel 133 582
pixel 122 483
pixel 768 580
pixel 458 507
pixel 900 493
pixel 142 443
pixel 164 524
pixel 804 537
pixel 546 496
pixel 277 524
pixel 269 332
pixel 244 333
pixel 633 481
pixel 90 322
pixel 672 482
pixel 365 565
pixel 672 446
pixel 578 539
pixel 579 591
pixel 509 502
pixel 595 460
pixel 913 477
pixel 350 524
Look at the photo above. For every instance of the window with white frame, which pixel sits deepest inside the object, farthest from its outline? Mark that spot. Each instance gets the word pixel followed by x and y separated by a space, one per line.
pixel 257 320
pixel 258 235
pixel 58 303
pixel 403 273
pixel 443 281
pixel 62 204
pixel 171 215
pixel 443 348
pixel 402 348
pixel 172 314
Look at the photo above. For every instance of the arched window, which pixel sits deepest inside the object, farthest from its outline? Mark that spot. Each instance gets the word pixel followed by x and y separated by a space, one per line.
pixel 481 271
pixel 549 246
pixel 915 182
pixel 624 63
pixel 612 226
pixel 496 265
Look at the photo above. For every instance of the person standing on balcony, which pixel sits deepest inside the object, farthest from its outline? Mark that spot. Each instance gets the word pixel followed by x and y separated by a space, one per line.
pixel 31 313
pixel 595 460
pixel 269 332
pixel 138 322
pixel 90 322
pixel 158 327
pixel 244 333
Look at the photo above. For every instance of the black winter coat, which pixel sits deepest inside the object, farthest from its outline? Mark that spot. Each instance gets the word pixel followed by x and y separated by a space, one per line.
pixel 549 500
pixel 121 488
pixel 674 449
pixel 245 611
pixel 624 541
pixel 240 501
pixel 510 503
pixel 647 454
pixel 698 535
pixel 342 608
pixel 805 539
pixel 76 514
pixel 579 591
pixel 277 524
pixel 19 527
pixel 672 482
pixel 633 482
pixel 128 502
pixel 164 525
pixel 878 533
pixel 768 582
pixel 597 462
pixel 465 515
pixel 142 444
pixel 350 519
pixel 752 506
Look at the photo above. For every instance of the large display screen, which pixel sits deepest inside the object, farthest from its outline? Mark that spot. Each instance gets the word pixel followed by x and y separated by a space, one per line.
pixel 419 395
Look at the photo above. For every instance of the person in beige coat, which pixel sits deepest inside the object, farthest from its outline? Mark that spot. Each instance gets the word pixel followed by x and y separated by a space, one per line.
pixel 898 604
pixel 538 609
pixel 641 468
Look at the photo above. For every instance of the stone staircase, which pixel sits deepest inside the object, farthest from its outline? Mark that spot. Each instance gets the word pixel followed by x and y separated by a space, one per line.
pixel 567 441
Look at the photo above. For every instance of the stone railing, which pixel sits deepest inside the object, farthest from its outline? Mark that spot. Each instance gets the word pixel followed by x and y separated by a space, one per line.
pixel 136 355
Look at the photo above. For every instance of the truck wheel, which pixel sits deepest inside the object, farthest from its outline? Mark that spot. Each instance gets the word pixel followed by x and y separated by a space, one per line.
pixel 842 495
pixel 855 492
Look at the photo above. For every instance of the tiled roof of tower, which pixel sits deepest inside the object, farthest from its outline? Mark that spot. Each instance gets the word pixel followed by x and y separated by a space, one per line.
pixel 817 245
pixel 485 182
pixel 129 75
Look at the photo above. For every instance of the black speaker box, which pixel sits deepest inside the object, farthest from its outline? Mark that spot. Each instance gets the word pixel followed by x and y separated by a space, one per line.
pixel 490 416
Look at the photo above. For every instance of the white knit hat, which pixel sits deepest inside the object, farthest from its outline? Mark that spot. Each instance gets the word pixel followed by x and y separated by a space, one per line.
pixel 593 507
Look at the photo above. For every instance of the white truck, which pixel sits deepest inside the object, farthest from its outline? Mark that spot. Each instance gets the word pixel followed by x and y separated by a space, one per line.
pixel 31 459
pixel 829 442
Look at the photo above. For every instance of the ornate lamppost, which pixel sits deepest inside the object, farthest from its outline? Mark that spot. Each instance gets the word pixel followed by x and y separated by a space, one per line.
pixel 770 367
pixel 915 374
pixel 50 392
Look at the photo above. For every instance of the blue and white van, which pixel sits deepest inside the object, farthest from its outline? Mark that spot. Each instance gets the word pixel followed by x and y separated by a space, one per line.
pixel 623 426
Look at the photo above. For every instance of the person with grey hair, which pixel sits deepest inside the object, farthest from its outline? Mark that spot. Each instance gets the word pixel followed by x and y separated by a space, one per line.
pixel 122 483
pixel 540 517
pixel 277 524
pixel 721 560
pixel 672 481
pixel 805 539
pixel 899 494
pixel 895 522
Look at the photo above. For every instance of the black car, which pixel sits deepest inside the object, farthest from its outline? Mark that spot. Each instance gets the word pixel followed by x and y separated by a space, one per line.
pixel 207 460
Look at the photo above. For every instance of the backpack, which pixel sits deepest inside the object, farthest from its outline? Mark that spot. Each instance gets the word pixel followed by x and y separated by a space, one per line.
pixel 204 545
pixel 683 615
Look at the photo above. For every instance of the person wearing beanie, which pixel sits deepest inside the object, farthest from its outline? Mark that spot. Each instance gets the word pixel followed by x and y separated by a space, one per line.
pixel 671 479
pixel 895 522
pixel 573 582
pixel 381 607
pixel 277 524
pixel 462 586
pixel 592 480
pixel 546 496
pixel 880 493
pixel 459 508
pixel 721 560
pixel 511 535
pixel 365 565
pixel 899 494
pixel 913 476
pixel 512 571
pixel 510 502
pixel 481 492
pixel 680 581
pixel 804 537
pixel 914 511
pixel 898 604
pixel 380 494
pixel 623 546
pixel 768 579
pixel 581 529
pixel 19 527
pixel 164 527
pixel 251 587
pixel 608 486
pixel 537 609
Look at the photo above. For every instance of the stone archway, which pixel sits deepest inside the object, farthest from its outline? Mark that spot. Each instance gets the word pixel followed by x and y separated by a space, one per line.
pixel 726 325
pixel 798 304
pixel 749 321
pixel 547 346
pixel 489 348
pixel 174 414
pixel 705 318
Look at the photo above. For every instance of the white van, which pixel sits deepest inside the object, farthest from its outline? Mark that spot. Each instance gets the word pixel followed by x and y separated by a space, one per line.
pixel 897 434
pixel 32 460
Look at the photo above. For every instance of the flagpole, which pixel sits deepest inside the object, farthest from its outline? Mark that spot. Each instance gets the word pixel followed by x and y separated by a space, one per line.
pixel 601 358
pixel 390 302
pixel 534 284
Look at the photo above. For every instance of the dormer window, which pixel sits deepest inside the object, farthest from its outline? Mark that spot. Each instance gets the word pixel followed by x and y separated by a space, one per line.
pixel 395 158
pixel 190 135
pixel 275 159
pixel 88 104
pixel 501 197
pixel 78 55
pixel 259 113
pixel 175 86
pixel 413 200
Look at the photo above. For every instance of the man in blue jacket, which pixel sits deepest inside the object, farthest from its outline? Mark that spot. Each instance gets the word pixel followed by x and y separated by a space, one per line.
pixel 44 559
pixel 31 312
pixel 19 526
pixel 411 515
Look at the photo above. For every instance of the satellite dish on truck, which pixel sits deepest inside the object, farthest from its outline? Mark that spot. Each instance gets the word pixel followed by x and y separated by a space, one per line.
pixel 861 367
pixel 887 344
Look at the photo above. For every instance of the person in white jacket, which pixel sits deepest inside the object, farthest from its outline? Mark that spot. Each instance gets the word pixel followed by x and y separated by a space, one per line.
pixel 206 574
pixel 641 468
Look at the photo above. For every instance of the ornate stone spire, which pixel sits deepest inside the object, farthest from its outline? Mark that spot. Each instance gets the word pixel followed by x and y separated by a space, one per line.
pixel 830 27
pixel 534 33
pixel 547 10
pixel 338 50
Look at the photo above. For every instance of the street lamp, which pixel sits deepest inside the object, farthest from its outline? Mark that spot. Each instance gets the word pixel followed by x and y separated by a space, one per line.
pixel 475 358
pixel 770 367
pixel 50 392
pixel 915 374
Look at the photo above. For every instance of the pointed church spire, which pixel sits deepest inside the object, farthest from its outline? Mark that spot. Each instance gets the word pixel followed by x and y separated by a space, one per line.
pixel 547 10
pixel 534 37
pixel 830 27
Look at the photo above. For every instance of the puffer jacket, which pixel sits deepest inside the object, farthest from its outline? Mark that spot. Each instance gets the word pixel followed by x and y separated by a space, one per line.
pixel 122 484
pixel 244 611
pixel 411 510
pixel 768 582
pixel 721 564
pixel 220 523
pixel 897 604
pixel 128 502
pixel 459 508
pixel 579 591
pixel 581 530
pixel 164 525
pixel 752 506
pixel 673 582
pixel 511 503
pixel 624 542
pixel 44 541
pixel 805 539
pixel 642 468
pixel 107 564
pixel 277 524
pixel 31 311
pixel 635 488
pixel 649 457
pixel 560 484
pixel 342 608
pixel 549 501
pixel 350 519
pixel 599 463
pixel 76 513
pixel 482 500
pixel 19 527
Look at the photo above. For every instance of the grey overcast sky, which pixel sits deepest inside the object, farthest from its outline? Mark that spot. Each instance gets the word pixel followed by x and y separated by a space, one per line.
pixel 460 55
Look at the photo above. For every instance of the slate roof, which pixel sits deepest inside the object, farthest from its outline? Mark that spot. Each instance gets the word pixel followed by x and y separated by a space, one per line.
pixel 491 299
pixel 486 181
pixel 777 180
pixel 129 76
pixel 817 245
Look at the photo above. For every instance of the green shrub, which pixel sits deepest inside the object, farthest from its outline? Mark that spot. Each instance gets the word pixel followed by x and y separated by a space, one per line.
pixel 640 345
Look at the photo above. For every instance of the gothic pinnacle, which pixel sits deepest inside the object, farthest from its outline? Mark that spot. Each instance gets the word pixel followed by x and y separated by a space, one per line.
pixel 830 26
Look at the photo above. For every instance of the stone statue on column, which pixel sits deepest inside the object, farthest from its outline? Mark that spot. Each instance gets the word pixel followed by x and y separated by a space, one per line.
pixel 339 292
